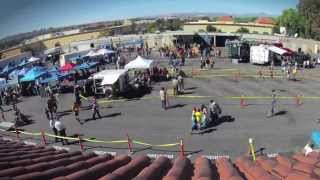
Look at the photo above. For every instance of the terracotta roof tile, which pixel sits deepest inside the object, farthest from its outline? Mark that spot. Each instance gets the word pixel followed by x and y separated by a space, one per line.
pixel 225 18
pixel 265 20
pixel 37 162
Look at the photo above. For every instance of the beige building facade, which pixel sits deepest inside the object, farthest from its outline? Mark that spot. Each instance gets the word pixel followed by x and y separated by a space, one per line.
pixel 228 27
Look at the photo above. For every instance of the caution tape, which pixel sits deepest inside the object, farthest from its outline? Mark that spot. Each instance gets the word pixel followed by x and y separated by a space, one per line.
pixel 106 142
pixel 269 97
pixel 61 137
pixel 190 96
pixel 158 145
pixel 241 75
pixel 28 133
pixel 95 141
pixel 83 97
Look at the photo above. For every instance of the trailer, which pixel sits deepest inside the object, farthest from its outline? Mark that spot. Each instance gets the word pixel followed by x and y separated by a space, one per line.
pixel 260 54
pixel 111 83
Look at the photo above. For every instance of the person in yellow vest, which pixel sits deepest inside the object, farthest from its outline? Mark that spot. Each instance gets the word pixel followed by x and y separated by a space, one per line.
pixel 194 122
pixel 198 116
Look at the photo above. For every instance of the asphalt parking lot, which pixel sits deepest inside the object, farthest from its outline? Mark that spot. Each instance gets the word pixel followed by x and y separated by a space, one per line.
pixel 144 120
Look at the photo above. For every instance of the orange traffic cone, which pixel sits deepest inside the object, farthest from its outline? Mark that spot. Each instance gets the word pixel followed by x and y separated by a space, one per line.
pixel 298 100
pixel 242 102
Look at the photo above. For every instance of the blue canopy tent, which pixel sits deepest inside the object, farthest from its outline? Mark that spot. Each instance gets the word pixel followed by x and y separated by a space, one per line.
pixel 315 137
pixel 8 69
pixel 23 71
pixel 86 65
pixel 24 63
pixel 14 74
pixel 34 73
pixel 3 82
pixel 54 69
pixel 52 76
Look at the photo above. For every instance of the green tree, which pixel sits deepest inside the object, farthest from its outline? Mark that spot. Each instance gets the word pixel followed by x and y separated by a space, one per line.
pixel 243 30
pixel 151 28
pixel 310 9
pixel 276 28
pixel 211 28
pixel 292 21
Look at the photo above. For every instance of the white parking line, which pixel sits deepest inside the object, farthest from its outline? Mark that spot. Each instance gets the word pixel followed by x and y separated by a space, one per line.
pixel 213 157
pixel 61 148
pixel 105 152
pixel 155 156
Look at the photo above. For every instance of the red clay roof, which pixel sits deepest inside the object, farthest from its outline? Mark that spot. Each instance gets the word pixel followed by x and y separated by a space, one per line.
pixel 225 18
pixel 265 20
pixel 21 161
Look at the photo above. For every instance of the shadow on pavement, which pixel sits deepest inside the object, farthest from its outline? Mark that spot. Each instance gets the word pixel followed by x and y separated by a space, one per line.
pixel 105 116
pixel 177 106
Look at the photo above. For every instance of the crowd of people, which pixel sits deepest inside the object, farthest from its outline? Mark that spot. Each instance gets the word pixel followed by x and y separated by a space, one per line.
pixel 204 116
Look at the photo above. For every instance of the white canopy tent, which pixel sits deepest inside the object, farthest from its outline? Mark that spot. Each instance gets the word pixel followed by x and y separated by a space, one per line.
pixel 92 54
pixel 109 76
pixel 105 51
pixel 33 59
pixel 139 63
pixel 277 50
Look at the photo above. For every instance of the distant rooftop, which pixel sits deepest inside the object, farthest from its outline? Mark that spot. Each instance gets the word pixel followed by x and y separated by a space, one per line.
pixel 225 19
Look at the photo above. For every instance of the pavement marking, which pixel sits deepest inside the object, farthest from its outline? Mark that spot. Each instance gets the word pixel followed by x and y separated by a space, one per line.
pixel 61 148
pixel 155 156
pixel 272 155
pixel 7 139
pixel 30 143
pixel 214 157
pixel 105 152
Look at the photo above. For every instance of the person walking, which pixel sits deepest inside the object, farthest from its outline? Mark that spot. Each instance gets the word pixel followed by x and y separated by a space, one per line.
pixel 52 106
pixel 273 103
pixel 163 98
pixel 214 111
pixel 76 110
pixel 52 126
pixel 77 92
pixel 180 84
pixel 95 108
pixel 61 130
pixel 175 86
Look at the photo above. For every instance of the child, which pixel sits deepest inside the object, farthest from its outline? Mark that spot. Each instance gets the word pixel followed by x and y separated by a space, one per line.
pixel 198 115
pixel 76 110
pixel 194 121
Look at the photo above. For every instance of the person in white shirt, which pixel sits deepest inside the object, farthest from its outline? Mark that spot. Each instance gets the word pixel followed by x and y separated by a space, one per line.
pixel 163 98
pixel 51 124
pixel 61 130
pixel 308 149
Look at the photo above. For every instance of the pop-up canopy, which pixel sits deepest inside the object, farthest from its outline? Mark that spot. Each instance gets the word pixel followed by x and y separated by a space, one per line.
pixel 105 51
pixel 34 73
pixel 279 50
pixel 92 54
pixel 86 65
pixel 109 76
pixel 139 63
pixel 67 67
pixel 24 63
pixel 3 82
pixel 33 59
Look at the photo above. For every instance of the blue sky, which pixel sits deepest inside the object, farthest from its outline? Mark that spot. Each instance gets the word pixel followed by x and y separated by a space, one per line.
pixel 18 16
